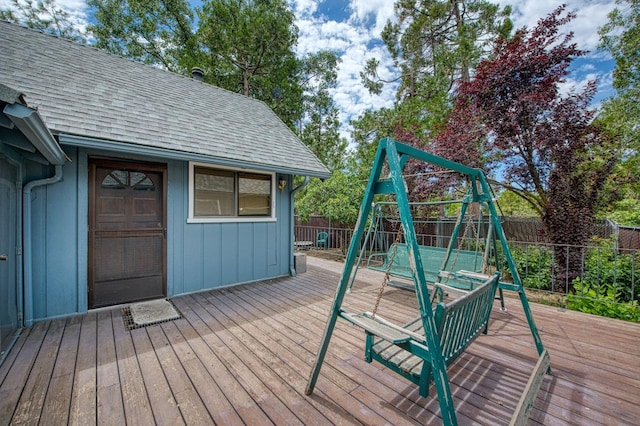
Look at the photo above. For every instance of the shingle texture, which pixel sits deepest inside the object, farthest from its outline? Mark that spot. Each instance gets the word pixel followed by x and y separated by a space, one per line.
pixel 80 90
pixel 10 96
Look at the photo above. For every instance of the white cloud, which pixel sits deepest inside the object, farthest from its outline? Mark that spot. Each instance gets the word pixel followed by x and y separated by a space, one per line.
pixel 591 15
pixel 363 10
pixel 362 29
pixel 77 10
pixel 587 67
pixel 356 38
pixel 350 40
pixel 304 7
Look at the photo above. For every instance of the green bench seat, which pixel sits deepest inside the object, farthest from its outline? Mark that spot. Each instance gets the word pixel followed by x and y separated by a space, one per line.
pixel 404 349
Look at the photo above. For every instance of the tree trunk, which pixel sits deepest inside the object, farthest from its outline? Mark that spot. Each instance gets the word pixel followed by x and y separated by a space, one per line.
pixel 569 226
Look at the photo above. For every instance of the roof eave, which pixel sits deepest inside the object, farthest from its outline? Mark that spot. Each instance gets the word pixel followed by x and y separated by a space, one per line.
pixel 29 122
pixel 136 149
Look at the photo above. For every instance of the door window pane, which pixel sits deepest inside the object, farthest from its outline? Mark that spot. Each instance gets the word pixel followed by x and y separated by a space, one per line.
pixel 121 179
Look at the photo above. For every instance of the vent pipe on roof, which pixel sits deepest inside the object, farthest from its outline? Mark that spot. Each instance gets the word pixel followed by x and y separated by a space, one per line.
pixel 197 73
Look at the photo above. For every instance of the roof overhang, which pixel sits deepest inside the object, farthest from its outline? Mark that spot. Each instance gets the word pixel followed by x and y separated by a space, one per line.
pixel 30 124
pixel 143 150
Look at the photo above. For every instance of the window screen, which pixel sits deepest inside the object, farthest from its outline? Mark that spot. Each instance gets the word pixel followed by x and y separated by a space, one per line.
pixel 224 193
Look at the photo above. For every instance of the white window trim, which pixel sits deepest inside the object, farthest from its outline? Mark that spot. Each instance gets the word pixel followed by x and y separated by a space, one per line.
pixel 229 219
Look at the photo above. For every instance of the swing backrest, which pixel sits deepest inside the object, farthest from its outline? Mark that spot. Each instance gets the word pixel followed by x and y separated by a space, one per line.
pixel 462 320
pixel 432 258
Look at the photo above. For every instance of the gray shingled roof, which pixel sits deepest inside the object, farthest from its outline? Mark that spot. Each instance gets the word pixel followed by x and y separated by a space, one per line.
pixel 83 91
pixel 10 96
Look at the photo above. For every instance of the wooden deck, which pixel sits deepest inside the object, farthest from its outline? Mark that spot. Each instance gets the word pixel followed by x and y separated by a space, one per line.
pixel 242 356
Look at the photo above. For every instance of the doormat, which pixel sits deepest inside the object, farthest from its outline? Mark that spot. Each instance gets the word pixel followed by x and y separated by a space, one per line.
pixel 143 314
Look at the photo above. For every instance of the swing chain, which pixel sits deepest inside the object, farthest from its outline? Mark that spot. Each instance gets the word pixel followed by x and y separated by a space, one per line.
pixel 476 237
pixel 387 273
pixel 460 244
pixel 475 234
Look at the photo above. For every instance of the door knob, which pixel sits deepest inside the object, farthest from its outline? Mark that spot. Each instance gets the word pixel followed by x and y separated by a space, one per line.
pixel 4 257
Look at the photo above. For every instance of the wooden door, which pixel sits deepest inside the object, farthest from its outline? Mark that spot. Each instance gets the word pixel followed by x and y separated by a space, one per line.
pixel 9 323
pixel 127 232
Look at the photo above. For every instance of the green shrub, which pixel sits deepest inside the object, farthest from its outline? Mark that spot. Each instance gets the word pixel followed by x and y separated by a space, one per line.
pixel 606 285
pixel 534 265
pixel 609 273
pixel 602 301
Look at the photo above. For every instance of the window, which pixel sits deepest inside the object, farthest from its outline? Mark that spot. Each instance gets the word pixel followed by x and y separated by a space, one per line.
pixel 254 195
pixel 214 192
pixel 121 179
pixel 219 194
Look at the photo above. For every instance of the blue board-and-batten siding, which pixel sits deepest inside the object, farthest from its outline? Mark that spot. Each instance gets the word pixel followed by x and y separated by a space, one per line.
pixel 200 256
pixel 55 289
pixel 224 254
pixel 209 255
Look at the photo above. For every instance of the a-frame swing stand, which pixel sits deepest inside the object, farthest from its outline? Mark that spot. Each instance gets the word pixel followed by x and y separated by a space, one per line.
pixel 430 336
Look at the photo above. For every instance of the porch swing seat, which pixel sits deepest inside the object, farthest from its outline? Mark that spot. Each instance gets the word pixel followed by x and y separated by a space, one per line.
pixel 468 263
pixel 404 349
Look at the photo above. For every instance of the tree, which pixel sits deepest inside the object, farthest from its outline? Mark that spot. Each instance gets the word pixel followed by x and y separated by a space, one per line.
pixel 549 151
pixel 247 47
pixel 621 114
pixel 433 44
pixel 320 124
pixel 626 212
pixel 321 132
pixel 513 205
pixel 337 198
pixel 150 31
pixel 621 37
pixel 45 16
pixel 622 191
pixel 366 132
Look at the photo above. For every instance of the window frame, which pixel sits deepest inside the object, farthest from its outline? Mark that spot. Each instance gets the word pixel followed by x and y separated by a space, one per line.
pixel 192 218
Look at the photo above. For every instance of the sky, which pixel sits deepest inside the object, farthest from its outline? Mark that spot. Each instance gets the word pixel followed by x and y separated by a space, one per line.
pixel 352 29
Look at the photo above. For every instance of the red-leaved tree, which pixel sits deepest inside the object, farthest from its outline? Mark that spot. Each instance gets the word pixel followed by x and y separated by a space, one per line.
pixel 512 118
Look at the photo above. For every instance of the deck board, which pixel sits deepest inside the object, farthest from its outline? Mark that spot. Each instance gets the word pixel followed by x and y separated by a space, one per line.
pixel 281 358
pixel 245 369
pixel 161 399
pixel 134 395
pixel 242 355
pixel 110 408
pixel 58 398
pixel 83 398
pixel 15 381
pixel 188 400
pixel 34 391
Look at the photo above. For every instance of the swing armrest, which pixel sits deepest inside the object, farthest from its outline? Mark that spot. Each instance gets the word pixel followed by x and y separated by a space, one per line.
pixel 383 329
pixel 415 336
pixel 473 275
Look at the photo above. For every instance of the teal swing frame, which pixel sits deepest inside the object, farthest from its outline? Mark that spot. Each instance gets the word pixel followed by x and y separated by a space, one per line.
pixel 423 338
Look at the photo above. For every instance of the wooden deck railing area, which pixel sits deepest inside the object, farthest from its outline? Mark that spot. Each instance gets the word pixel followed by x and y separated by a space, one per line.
pixel 606 270
pixel 242 355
